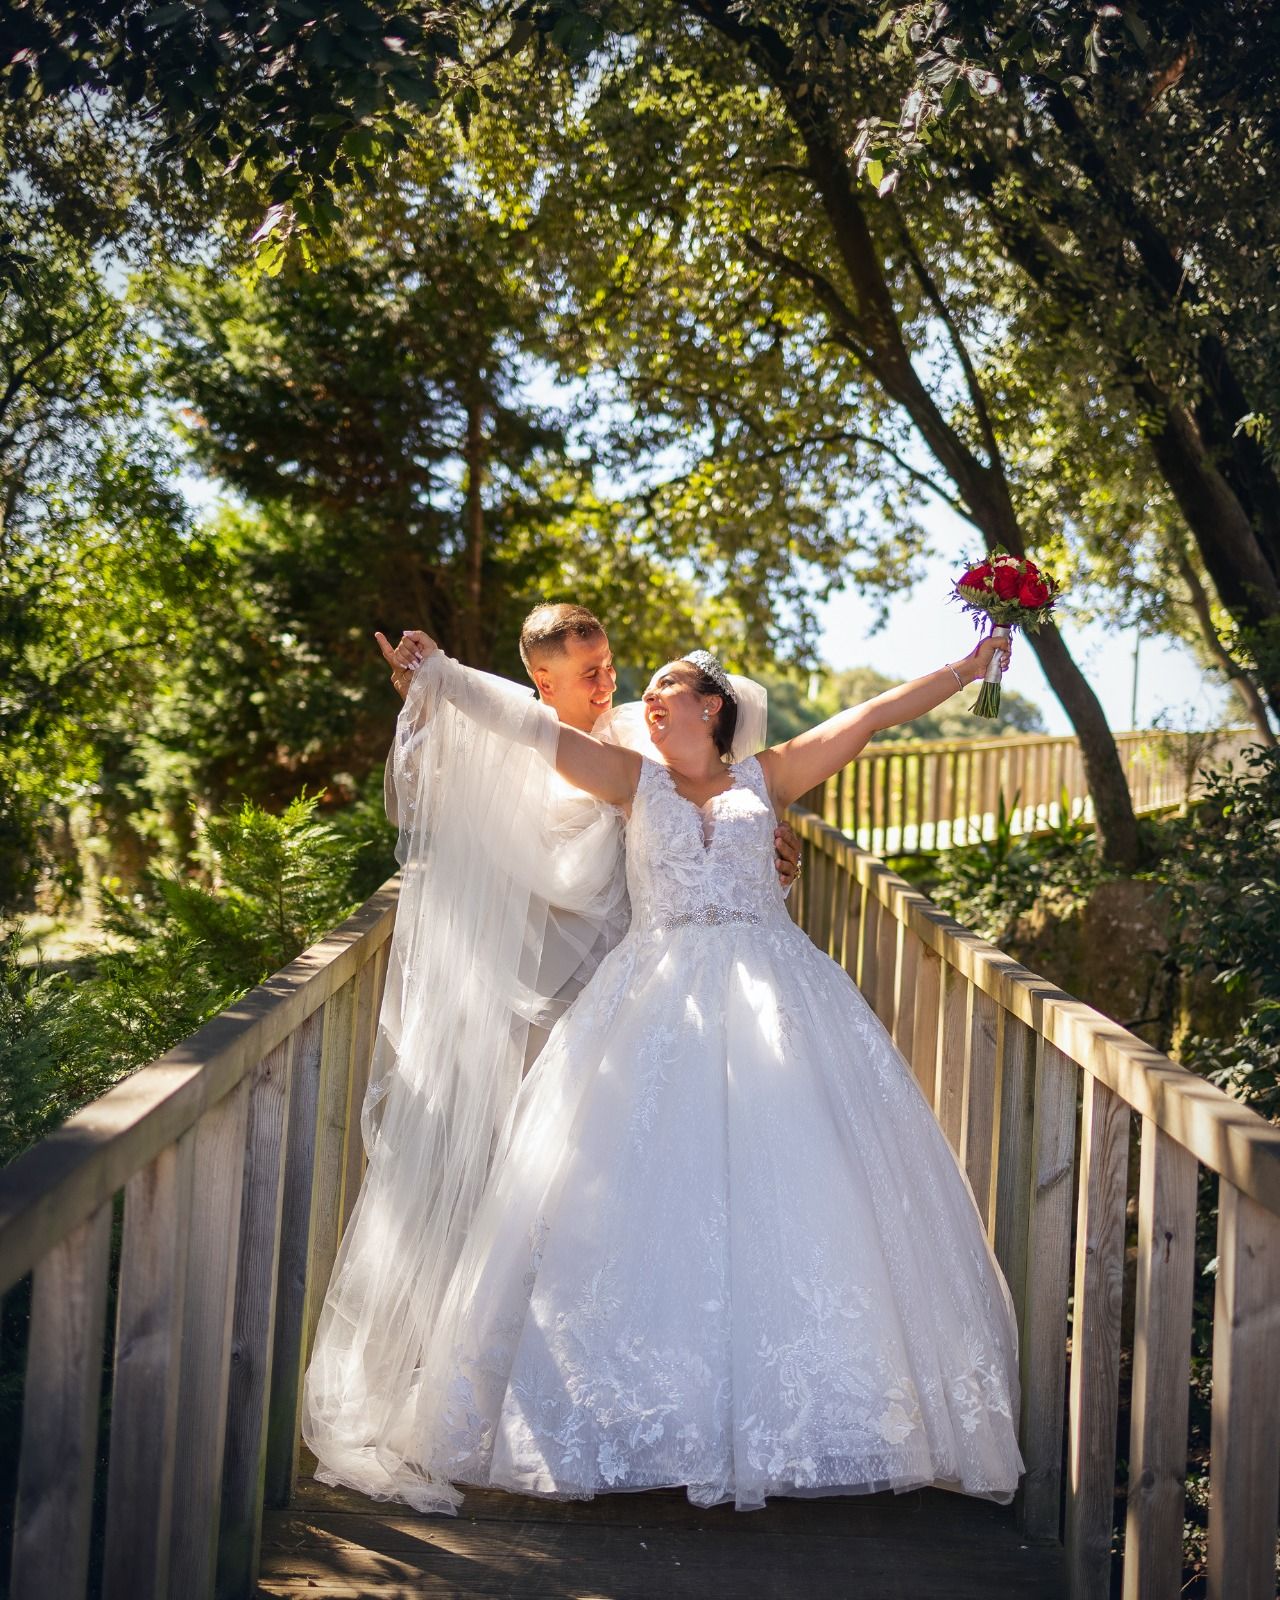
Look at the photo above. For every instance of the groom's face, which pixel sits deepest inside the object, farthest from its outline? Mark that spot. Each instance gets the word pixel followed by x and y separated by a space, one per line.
pixel 578 682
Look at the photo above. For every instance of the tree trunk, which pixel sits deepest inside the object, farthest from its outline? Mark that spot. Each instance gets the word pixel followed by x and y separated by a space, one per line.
pixel 1236 675
pixel 873 327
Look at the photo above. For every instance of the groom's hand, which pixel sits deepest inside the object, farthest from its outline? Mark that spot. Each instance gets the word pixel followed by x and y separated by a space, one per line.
pixel 786 847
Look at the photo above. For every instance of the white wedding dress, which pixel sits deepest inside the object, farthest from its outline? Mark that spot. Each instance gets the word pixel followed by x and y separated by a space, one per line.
pixel 728 1246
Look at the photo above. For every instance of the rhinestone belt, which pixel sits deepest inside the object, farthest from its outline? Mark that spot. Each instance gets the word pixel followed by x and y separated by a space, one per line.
pixel 708 917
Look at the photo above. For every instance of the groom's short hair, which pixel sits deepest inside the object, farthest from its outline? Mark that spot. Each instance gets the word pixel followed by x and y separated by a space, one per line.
pixel 548 628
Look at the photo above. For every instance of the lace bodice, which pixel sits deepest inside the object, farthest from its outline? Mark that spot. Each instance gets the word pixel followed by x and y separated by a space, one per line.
pixel 706 865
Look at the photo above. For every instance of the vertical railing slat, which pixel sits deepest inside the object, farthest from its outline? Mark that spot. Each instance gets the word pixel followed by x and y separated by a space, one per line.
pixel 1013 1164
pixel 145 1380
pixel 1244 1437
pixel 253 1324
pixel 924 1026
pixel 217 1177
pixel 60 1415
pixel 949 1085
pixel 1048 1262
pixel 980 1106
pixel 291 1283
pixel 1095 1341
pixel 1161 1366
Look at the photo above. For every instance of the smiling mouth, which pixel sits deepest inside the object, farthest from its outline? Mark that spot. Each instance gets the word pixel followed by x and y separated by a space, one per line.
pixel 656 719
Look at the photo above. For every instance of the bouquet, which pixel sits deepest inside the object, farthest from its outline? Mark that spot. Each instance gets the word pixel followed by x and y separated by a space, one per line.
pixel 1014 593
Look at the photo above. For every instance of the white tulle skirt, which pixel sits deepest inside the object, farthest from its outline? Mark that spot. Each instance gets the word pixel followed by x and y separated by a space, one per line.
pixel 729 1249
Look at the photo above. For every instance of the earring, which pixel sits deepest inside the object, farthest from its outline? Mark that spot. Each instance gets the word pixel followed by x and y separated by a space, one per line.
pixel 706 715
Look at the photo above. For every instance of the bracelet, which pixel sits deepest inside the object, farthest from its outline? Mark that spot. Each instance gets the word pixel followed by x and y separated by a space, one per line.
pixel 955 674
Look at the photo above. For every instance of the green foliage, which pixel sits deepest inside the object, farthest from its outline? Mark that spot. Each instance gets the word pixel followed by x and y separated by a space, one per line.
pixel 184 949
pixel 987 886
pixel 284 101
pixel 792 708
pixel 1222 887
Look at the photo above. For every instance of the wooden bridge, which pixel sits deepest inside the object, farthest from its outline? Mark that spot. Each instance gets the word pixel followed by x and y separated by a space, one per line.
pixel 180 1231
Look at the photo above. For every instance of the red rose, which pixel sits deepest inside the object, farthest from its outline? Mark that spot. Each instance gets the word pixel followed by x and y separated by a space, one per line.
pixel 1033 592
pixel 1030 569
pixel 976 577
pixel 1007 582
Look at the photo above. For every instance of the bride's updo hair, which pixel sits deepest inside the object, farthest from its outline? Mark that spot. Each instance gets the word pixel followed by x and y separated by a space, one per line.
pixel 707 676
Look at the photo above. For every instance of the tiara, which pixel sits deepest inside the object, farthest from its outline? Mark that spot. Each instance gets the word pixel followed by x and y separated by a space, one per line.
pixel 711 668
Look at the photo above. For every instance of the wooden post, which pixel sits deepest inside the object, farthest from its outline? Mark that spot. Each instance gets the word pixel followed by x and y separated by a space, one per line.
pixel 1245 1424
pixel 1095 1340
pixel 253 1325
pixel 60 1415
pixel 145 1380
pixel 1048 1259
pixel 1161 1366
pixel 331 1134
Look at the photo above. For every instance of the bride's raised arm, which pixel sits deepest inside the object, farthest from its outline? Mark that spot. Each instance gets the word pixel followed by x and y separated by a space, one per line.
pixel 608 771
pixel 793 768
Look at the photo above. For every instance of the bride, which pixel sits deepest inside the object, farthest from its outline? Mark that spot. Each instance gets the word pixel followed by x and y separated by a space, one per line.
pixel 716 1237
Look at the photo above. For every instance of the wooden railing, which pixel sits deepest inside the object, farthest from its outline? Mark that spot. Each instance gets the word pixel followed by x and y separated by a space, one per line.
pixel 898 799
pixel 237 1157
pixel 1036 1093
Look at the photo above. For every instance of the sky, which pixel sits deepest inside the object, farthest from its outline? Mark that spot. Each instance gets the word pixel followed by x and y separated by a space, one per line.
pixel 925 628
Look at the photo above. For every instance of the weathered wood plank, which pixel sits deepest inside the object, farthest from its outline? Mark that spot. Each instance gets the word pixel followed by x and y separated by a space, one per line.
pixel 980 1105
pixel 1013 1167
pixel 148 1350
pixel 1095 1340
pixel 1161 1367
pixel 365 1028
pixel 949 1104
pixel 253 1322
pixel 208 1300
pixel 1043 1365
pixel 291 1289
pixel 925 1025
pixel 1245 1423
pixel 60 1415
pixel 904 992
pixel 327 1176
pixel 629 1560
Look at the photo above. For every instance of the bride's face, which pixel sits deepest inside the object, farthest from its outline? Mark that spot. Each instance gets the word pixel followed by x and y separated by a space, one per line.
pixel 673 708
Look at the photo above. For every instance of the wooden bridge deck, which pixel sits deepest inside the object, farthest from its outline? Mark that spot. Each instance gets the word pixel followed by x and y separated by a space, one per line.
pixel 655 1546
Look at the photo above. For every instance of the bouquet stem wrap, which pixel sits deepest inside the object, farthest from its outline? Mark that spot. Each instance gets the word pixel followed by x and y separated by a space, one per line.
pixel 988 702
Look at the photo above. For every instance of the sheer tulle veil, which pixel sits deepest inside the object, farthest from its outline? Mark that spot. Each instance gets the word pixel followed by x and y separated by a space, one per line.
pixel 511 889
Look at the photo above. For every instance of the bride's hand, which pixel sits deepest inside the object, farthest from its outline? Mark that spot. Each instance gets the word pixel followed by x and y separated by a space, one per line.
pixel 404 658
pixel 974 666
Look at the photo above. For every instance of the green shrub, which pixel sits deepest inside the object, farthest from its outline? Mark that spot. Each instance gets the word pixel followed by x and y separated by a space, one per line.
pixel 269 885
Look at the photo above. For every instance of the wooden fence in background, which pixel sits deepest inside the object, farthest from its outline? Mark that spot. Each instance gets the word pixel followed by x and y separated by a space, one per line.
pixel 899 799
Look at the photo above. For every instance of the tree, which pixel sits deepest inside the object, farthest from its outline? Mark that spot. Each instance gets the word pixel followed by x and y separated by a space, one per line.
pixel 97 561
pixel 730 272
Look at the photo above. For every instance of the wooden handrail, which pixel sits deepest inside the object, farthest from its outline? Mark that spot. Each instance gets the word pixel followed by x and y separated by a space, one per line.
pixel 238 1153
pixel 1037 1093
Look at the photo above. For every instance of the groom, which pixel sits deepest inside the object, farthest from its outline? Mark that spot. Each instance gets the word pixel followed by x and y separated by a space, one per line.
pixel 566 653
